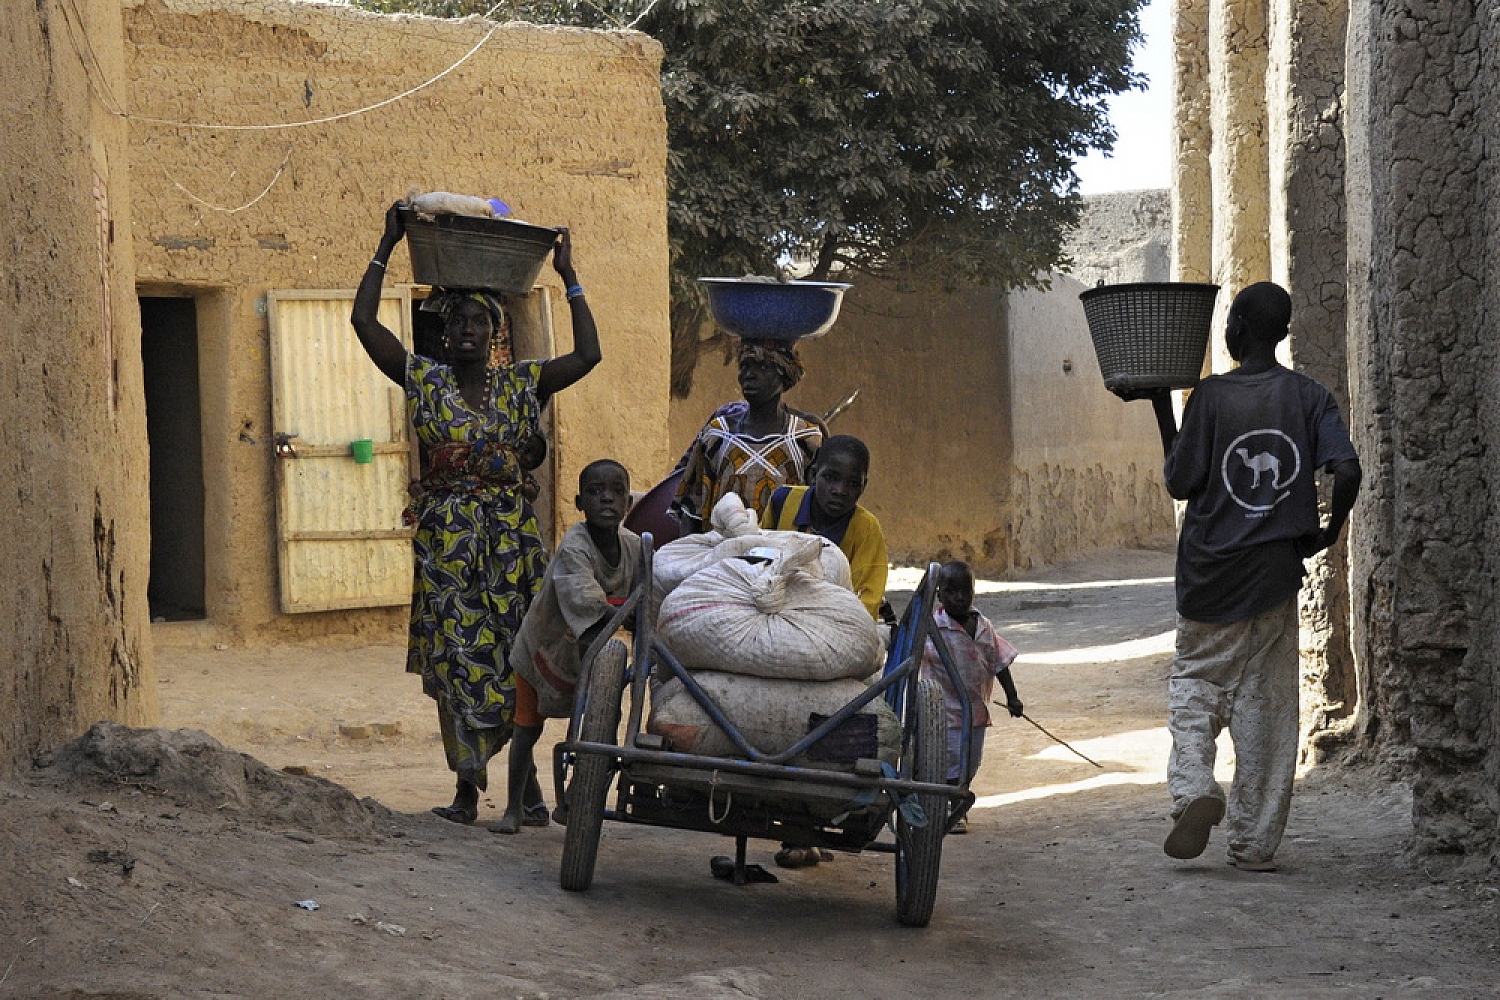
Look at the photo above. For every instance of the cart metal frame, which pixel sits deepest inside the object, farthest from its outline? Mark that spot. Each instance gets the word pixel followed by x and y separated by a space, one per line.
pixel 758 794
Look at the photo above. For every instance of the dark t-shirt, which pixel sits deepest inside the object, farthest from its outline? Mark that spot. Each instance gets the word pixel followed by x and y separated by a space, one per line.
pixel 1245 461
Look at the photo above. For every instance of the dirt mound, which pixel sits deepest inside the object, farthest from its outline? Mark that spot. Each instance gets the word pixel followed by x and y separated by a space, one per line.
pixel 197 772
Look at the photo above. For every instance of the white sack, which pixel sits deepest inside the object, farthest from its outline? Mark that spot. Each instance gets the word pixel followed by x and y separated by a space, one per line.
pixel 730 517
pixel 770 714
pixel 735 533
pixel 433 203
pixel 773 619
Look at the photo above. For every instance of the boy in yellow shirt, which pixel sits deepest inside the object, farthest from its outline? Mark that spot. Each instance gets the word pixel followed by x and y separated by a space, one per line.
pixel 830 508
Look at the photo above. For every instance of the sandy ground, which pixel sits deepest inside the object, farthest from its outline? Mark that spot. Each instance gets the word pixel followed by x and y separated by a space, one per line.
pixel 183 881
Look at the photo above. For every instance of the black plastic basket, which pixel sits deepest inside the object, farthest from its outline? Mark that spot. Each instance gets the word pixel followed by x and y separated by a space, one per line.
pixel 1150 335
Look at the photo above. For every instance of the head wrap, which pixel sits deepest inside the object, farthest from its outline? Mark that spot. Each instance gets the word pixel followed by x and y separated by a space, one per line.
pixel 444 300
pixel 781 355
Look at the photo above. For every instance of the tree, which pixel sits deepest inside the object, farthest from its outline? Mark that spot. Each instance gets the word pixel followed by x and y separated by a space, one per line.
pixel 933 139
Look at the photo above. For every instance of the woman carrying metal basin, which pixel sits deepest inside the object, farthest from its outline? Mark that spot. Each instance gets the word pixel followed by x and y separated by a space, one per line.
pixel 479 556
pixel 752 446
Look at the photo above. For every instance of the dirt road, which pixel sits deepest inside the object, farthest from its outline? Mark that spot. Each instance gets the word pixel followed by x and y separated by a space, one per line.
pixel 122 888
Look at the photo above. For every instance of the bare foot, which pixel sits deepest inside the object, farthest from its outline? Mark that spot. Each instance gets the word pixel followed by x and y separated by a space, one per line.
pixel 509 823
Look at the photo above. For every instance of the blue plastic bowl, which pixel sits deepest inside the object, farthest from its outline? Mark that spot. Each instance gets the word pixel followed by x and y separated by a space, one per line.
pixel 774 310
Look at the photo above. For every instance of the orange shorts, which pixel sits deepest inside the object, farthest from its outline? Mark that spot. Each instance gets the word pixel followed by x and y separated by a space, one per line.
pixel 528 712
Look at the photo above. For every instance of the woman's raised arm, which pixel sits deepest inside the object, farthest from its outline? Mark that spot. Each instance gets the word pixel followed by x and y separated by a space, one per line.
pixel 561 372
pixel 383 346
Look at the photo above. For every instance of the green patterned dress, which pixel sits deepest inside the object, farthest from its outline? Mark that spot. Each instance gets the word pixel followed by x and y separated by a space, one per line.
pixel 479 556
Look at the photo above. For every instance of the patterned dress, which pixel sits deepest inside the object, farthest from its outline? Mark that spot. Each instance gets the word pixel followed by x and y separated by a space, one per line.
pixel 478 552
pixel 721 461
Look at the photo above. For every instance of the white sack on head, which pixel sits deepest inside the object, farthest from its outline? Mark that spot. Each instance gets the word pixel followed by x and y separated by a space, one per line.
pixel 771 715
pixel 433 203
pixel 769 620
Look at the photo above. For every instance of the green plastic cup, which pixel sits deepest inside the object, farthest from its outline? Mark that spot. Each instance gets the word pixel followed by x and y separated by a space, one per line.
pixel 363 451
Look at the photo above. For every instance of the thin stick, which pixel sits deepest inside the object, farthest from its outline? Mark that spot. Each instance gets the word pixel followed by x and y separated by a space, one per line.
pixel 13 961
pixel 1054 739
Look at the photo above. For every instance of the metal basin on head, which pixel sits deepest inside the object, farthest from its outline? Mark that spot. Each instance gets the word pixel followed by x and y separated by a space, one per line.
pixel 767 309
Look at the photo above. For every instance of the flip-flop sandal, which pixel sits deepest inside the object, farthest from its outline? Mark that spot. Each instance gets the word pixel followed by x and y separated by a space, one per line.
pixel 1190 832
pixel 456 814
pixel 535 815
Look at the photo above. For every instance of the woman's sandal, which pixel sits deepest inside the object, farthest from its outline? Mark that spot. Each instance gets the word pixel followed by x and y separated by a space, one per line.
pixel 457 814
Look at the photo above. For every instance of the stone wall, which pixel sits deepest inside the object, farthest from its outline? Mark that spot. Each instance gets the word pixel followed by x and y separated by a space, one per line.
pixel 566 125
pixel 72 434
pixel 1123 237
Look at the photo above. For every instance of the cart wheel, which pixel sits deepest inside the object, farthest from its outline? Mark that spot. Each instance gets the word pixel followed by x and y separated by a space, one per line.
pixel 919 850
pixel 590 785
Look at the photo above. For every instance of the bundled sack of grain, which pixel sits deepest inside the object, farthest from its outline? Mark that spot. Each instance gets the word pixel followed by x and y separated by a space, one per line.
pixel 682 557
pixel 732 537
pixel 774 714
pixel 773 617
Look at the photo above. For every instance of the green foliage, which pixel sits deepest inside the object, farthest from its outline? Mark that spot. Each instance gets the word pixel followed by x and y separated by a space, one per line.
pixel 933 139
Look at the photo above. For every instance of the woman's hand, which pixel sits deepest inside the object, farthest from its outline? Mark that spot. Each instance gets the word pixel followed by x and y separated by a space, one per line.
pixel 395 226
pixel 559 373
pixel 562 256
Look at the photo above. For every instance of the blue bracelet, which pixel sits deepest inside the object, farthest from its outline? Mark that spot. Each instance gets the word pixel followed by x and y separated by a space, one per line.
pixel 575 292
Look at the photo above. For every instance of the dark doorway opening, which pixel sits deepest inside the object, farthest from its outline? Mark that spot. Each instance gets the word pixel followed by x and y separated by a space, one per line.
pixel 169 356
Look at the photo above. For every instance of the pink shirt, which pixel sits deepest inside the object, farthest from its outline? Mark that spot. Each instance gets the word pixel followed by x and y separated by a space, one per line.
pixel 978 661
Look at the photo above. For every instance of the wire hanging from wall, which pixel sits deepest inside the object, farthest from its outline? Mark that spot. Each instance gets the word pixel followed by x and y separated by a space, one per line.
pixel 329 118
pixel 230 211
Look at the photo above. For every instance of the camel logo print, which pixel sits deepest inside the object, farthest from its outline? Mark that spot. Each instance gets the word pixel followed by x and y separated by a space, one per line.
pixel 1258 467
pixel 1264 462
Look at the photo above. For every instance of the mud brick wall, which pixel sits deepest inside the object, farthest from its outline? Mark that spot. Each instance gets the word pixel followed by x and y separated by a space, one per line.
pixel 566 125
pixel 1424 552
pixel 1367 134
pixel 73 644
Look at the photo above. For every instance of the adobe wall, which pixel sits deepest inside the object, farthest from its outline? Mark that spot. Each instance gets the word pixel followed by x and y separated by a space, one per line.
pixel 1383 223
pixel 1425 566
pixel 933 407
pixel 1087 467
pixel 73 539
pixel 991 434
pixel 566 125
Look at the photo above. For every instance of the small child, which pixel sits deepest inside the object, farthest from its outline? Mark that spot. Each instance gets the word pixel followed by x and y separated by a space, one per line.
pixel 830 508
pixel 595 567
pixel 981 658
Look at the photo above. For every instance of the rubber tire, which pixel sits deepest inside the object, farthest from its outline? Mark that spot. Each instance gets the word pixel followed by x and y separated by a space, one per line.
pixel 919 850
pixel 589 788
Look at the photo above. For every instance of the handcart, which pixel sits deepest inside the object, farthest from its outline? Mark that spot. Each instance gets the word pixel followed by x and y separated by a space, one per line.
pixel 758 794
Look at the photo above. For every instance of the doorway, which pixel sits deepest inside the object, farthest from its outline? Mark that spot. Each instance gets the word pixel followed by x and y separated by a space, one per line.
pixel 169 356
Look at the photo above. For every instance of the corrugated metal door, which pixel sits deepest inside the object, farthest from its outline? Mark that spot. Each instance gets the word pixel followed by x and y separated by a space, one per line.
pixel 338 521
